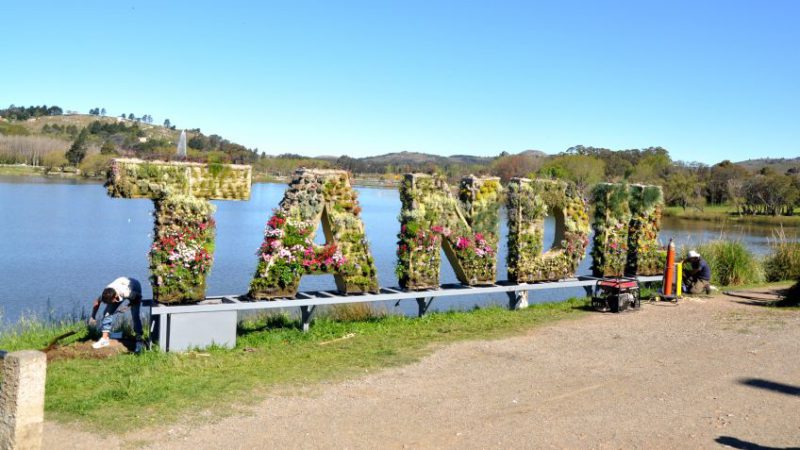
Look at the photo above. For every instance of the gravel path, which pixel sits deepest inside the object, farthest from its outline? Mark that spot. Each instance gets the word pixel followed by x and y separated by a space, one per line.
pixel 705 373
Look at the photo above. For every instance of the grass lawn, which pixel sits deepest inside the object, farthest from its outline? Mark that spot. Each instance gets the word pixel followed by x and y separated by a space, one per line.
pixel 129 391
pixel 724 213
pixel 20 170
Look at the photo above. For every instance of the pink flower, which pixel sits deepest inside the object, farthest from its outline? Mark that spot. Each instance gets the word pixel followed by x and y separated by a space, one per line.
pixel 462 243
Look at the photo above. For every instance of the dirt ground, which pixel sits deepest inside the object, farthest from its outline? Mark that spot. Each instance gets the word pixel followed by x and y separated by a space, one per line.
pixel 706 373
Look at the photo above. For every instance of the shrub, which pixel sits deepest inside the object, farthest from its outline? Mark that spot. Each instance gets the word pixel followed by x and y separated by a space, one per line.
pixel 783 263
pixel 731 263
pixel 54 159
pixel 96 164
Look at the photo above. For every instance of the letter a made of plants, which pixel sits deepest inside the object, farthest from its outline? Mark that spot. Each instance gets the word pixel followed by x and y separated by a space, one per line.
pixel 467 228
pixel 289 252
pixel 528 203
pixel 183 238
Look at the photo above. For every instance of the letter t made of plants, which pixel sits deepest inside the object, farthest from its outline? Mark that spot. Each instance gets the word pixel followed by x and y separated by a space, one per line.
pixel 183 238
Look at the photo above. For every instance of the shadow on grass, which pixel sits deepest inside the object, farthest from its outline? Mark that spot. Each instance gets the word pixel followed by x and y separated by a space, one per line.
pixel 266 322
pixel 781 298
pixel 745 445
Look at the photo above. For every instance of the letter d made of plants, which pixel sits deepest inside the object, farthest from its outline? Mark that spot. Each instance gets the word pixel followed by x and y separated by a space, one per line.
pixel 288 251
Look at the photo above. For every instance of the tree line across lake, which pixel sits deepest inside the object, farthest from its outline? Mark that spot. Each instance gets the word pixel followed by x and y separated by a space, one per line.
pixel 34 135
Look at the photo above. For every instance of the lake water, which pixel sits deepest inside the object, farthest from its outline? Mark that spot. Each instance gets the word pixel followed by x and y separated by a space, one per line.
pixel 61 242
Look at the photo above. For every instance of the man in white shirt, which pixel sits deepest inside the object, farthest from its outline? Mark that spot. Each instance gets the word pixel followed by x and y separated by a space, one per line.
pixel 121 289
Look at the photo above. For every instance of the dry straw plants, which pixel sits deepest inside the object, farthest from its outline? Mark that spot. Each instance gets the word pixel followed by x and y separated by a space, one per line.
pixel 466 227
pixel 288 251
pixel 183 244
pixel 528 203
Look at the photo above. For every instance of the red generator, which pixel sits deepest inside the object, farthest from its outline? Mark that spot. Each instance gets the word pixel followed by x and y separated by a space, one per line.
pixel 616 294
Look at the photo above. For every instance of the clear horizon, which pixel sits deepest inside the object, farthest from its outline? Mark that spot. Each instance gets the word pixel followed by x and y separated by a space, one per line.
pixel 708 82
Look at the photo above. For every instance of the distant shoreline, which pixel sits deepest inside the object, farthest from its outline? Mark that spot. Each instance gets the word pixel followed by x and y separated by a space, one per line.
pixel 708 214
pixel 25 171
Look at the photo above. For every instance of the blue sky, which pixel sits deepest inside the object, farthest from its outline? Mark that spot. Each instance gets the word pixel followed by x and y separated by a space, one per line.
pixel 706 80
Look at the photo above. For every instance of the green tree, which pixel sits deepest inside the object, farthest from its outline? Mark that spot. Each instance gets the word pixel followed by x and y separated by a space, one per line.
pixel 77 151
pixel 167 123
pixel 683 188
pixel 108 148
pixel 197 142
pixel 583 170
pixel 53 160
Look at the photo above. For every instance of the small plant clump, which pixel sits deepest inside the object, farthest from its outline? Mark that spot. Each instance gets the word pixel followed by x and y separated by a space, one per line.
pixel 467 228
pixel 182 250
pixel 783 262
pixel 731 263
pixel 528 203
pixel 288 251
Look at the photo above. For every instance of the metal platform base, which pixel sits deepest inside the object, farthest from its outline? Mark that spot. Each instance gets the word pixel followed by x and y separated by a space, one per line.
pixel 213 321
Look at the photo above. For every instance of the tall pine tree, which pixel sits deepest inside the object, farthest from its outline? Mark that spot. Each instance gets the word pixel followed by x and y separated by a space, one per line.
pixel 77 151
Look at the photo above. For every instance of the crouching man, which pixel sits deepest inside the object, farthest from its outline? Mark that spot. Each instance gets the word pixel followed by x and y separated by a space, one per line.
pixel 697 274
pixel 113 296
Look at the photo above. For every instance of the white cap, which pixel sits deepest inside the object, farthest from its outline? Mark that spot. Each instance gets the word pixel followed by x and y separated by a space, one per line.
pixel 693 254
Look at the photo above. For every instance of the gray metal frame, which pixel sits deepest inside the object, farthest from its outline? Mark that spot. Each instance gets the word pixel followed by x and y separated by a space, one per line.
pixel 308 301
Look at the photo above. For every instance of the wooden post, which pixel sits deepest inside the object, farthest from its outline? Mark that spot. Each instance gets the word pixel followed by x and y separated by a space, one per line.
pixel 22 399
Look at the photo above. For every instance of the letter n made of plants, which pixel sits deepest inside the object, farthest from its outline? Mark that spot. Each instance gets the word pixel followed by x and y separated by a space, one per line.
pixel 288 251
pixel 528 203
pixel 432 218
pixel 183 237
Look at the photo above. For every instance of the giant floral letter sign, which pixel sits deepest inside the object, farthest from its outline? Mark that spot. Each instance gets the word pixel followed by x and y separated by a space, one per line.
pixel 645 256
pixel 289 252
pixel 528 203
pixel 466 227
pixel 183 242
pixel 626 224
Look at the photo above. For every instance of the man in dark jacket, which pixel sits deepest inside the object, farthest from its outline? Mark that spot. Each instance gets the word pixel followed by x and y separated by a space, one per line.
pixel 697 274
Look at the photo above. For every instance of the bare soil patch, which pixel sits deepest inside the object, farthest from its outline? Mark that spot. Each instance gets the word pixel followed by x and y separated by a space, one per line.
pixel 706 373
pixel 84 350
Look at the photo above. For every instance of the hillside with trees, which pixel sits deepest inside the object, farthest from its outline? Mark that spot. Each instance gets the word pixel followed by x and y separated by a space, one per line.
pixel 48 137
